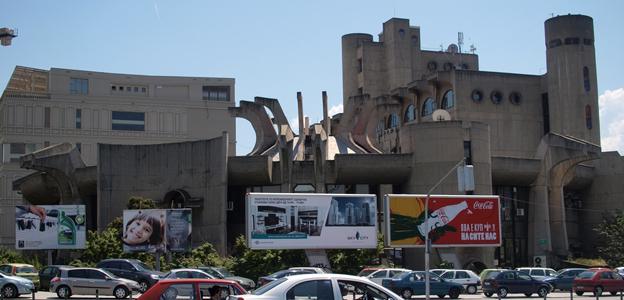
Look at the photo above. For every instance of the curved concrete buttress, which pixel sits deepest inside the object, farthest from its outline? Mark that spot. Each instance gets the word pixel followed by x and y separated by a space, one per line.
pixel 279 118
pixel 261 123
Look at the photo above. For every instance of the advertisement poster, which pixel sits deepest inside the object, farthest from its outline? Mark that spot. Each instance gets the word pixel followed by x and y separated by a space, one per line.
pixel 311 221
pixel 454 220
pixel 50 227
pixel 157 230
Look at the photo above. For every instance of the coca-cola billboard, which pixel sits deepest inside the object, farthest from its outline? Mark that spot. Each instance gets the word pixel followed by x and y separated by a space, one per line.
pixel 454 221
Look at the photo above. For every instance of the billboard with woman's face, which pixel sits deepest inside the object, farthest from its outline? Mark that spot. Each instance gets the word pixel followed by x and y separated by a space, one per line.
pixel 156 230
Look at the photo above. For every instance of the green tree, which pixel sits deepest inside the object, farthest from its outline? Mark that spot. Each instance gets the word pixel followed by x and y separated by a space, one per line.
pixel 611 238
pixel 255 263
pixel 137 202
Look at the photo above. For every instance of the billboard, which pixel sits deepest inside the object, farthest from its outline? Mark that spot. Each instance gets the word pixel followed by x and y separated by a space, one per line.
pixel 50 227
pixel 454 221
pixel 157 230
pixel 311 221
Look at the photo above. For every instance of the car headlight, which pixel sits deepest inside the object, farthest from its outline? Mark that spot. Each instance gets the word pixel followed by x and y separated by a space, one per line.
pixel 154 276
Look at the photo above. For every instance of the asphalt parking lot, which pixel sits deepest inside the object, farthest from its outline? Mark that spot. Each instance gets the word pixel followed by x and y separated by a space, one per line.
pixel 555 295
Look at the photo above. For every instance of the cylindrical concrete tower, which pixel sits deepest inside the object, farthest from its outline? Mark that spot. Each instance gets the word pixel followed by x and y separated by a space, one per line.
pixel 571 77
pixel 352 64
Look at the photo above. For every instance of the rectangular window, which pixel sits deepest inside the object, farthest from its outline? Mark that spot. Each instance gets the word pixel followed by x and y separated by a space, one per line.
pixel 78 118
pixel 468 152
pixel 79 147
pixel 545 113
pixel 216 93
pixel 360 66
pixel 78 86
pixel 46 144
pixel 46 117
pixel 128 120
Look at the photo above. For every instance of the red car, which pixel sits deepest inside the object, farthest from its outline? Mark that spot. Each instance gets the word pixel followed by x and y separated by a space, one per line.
pixel 598 280
pixel 195 288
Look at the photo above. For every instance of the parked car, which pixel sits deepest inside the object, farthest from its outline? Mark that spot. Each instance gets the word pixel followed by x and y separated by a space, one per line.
pixel 438 271
pixel 187 273
pixel 511 282
pixel 539 273
pixel 319 286
pixel 22 270
pixel 387 273
pixel 195 288
pixel 47 273
pixel 91 281
pixel 564 279
pixel 413 283
pixel 132 269
pixel 620 270
pixel 486 273
pixel 282 273
pixel 467 278
pixel 598 280
pixel 13 286
pixel 366 271
pixel 223 273
pixel 312 269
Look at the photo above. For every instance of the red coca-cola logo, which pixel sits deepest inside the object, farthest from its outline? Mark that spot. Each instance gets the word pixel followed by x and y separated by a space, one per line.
pixel 483 205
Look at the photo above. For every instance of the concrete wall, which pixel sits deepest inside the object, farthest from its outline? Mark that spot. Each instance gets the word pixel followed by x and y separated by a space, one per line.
pixel 199 168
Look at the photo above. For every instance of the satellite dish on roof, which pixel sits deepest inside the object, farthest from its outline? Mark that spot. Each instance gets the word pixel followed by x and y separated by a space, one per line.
pixel 440 115
pixel 452 48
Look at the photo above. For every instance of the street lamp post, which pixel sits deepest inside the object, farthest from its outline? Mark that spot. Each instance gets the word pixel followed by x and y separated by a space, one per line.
pixel 427 229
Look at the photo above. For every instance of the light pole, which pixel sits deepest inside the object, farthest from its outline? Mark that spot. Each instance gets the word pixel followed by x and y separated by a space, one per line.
pixel 427 229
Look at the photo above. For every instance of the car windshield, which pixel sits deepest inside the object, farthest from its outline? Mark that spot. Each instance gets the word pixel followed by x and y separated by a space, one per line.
pixel 26 270
pixel 586 275
pixel 143 267
pixel 267 287
pixel 225 272
pixel 366 272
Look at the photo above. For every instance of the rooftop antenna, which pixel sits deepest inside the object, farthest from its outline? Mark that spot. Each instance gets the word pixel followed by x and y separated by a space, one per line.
pixel 460 41
pixel 473 48
pixel 6 35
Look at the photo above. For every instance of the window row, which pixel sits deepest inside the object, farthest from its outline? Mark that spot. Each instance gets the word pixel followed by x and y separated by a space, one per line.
pixel 129 89
pixel 496 97
pixel 430 104
pixel 569 41
pixel 447 66
pixel 216 93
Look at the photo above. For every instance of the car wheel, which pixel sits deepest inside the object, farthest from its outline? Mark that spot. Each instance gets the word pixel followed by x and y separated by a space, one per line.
pixel 471 289
pixel 528 294
pixel 143 286
pixel 406 293
pixel 63 292
pixel 502 292
pixel 120 292
pixel 454 293
pixel 542 291
pixel 579 293
pixel 598 291
pixel 9 291
pixel 488 294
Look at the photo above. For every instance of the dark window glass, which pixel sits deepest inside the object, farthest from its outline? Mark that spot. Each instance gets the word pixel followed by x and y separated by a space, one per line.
pixel 95 274
pixel 46 117
pixel 315 289
pixel 78 86
pixel 121 88
pixel 410 113
pixel 136 89
pixel 360 91
pixel 515 98
pixel 79 147
pixel 476 96
pixel 359 65
pixel 448 66
pixel 496 97
pixel 462 275
pixel 143 90
pixel 545 113
pixel 216 93
pixel 78 118
pixel 114 88
pixel 588 42
pixel 554 43
pixel 448 100
pixel 125 266
pixel 588 117
pixel 18 148
pixel 572 41
pixel 393 121
pixel 428 107
pixel 448 275
pixel 81 273
pixel 128 120
pixel 586 82
pixel 468 152
pixel 432 66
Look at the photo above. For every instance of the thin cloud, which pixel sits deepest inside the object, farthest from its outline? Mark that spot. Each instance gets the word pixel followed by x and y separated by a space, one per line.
pixel 337 109
pixel 611 106
pixel 156 10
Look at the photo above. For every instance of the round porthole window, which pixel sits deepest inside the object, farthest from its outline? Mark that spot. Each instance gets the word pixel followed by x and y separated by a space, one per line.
pixel 448 66
pixel 432 66
pixel 496 97
pixel 476 96
pixel 515 98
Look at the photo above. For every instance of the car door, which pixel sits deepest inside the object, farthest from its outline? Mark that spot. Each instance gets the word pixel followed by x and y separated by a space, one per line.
pixel 351 290
pixel 437 285
pixel 378 276
pixel 45 275
pixel 462 277
pixel 448 276
pixel 525 283
pixel 78 281
pixel 97 280
pixel 538 274
pixel 607 281
pixel 128 271
pixel 311 289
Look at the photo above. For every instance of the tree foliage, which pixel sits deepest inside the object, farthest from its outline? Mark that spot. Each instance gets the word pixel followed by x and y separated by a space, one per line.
pixel 611 239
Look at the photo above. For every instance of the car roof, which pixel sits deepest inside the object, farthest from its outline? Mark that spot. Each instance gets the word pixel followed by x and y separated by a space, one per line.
pixel 19 265
pixel 200 280
pixel 186 269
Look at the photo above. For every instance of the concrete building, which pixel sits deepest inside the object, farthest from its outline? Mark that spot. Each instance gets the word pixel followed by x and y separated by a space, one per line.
pixel 409 116
pixel 40 108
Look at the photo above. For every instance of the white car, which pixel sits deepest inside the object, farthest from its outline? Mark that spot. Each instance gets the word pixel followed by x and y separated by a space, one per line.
pixel 320 286
pixel 187 273
pixel 539 273
pixel 386 273
pixel 313 269
pixel 467 278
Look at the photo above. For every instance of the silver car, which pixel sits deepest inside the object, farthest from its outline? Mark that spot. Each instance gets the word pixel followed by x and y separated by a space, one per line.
pixel 13 286
pixel 91 281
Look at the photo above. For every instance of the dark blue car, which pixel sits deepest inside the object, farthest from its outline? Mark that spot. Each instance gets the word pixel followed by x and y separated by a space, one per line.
pixel 413 283
pixel 511 282
pixel 564 280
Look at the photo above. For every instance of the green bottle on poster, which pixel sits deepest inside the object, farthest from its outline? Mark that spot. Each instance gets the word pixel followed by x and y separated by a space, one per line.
pixel 66 230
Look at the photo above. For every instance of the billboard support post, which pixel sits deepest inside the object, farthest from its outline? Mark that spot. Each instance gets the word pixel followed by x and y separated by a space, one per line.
pixel 50 262
pixel 426 233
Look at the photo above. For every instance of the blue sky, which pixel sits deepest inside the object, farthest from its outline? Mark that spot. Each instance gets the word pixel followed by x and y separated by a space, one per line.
pixel 277 48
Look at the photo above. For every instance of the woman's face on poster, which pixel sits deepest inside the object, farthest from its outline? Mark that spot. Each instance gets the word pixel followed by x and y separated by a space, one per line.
pixel 138 232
